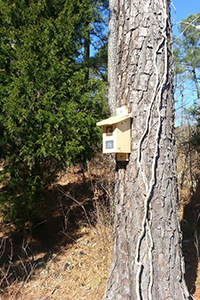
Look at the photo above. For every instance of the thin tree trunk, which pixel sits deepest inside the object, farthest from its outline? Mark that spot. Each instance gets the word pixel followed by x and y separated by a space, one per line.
pixel 196 85
pixel 147 258
pixel 87 51
pixel 182 96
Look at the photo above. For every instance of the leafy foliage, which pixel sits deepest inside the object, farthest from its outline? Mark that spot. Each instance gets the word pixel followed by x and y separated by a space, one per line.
pixel 48 108
pixel 187 54
pixel 190 41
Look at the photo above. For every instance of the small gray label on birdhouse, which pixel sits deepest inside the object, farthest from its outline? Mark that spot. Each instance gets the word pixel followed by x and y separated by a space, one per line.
pixel 109 144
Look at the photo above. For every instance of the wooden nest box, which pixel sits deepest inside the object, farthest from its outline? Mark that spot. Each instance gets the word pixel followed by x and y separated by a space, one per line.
pixel 117 134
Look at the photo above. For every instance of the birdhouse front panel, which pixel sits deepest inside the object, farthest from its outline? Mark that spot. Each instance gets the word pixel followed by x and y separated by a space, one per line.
pixel 109 138
pixel 116 134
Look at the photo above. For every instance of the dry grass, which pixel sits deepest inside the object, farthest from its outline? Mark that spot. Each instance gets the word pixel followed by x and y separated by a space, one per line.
pixel 76 272
pixel 70 259
pixel 188 161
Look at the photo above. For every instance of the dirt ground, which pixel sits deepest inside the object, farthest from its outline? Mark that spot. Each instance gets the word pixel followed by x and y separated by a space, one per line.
pixel 190 226
pixel 68 255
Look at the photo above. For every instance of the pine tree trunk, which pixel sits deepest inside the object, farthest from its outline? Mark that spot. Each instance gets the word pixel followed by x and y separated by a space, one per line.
pixel 112 56
pixel 87 51
pixel 147 259
pixel 196 85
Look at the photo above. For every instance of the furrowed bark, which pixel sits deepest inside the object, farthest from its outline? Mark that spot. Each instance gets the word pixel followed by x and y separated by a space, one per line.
pixel 147 258
pixel 112 56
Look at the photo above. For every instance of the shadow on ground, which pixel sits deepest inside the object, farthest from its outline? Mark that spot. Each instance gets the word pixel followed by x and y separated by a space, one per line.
pixel 190 226
pixel 70 208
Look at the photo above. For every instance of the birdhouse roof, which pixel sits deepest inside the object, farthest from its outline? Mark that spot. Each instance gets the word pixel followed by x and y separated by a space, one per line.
pixel 113 120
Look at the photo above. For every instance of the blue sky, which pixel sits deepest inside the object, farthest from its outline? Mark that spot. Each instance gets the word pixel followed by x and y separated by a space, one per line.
pixel 183 9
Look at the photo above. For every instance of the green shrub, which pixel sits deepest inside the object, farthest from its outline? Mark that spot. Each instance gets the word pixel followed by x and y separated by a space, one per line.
pixel 49 108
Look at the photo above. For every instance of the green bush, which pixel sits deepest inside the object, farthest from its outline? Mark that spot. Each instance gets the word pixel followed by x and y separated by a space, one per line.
pixel 49 109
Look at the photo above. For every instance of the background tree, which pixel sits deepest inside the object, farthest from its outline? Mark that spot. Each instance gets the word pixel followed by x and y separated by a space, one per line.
pixel 95 40
pixel 147 259
pixel 186 70
pixel 180 79
pixel 48 109
pixel 187 51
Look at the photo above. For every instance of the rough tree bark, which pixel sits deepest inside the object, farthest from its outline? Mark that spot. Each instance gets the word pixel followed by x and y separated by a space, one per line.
pixel 147 259
pixel 112 56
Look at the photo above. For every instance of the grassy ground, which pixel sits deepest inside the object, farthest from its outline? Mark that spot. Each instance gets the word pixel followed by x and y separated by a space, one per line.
pixel 68 255
pixel 78 271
